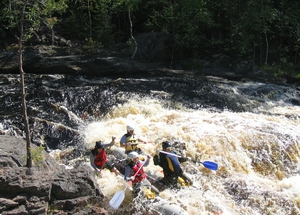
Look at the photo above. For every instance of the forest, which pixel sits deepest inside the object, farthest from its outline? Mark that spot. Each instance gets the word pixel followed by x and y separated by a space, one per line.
pixel 266 32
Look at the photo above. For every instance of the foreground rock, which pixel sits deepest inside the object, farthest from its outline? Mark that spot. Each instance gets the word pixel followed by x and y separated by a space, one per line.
pixel 46 187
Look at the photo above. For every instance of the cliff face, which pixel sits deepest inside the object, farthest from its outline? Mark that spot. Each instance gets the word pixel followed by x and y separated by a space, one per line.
pixel 46 187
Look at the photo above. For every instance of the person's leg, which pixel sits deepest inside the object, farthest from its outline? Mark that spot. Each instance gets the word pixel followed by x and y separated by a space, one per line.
pixel 154 189
pixel 174 181
pixel 114 169
pixel 110 166
pixel 170 180
pixel 136 188
pixel 186 179
pixel 147 183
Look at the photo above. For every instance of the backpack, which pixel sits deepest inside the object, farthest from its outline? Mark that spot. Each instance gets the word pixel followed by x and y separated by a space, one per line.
pixel 156 160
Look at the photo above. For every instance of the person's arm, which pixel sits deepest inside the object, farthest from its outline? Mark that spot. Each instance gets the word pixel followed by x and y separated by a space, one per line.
pixel 142 141
pixel 127 173
pixel 147 161
pixel 183 159
pixel 110 144
pixel 123 141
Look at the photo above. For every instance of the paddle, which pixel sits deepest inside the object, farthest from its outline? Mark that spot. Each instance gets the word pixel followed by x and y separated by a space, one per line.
pixel 130 182
pixel 141 142
pixel 208 164
pixel 118 198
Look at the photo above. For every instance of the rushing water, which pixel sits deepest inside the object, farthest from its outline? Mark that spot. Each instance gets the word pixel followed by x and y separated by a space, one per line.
pixel 250 129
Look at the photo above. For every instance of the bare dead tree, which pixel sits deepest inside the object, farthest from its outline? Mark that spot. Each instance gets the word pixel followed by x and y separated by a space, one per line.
pixel 131 35
pixel 23 93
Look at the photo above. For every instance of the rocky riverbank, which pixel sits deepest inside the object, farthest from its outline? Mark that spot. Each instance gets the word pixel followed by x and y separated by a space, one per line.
pixel 47 187
pixel 152 59
pixel 102 62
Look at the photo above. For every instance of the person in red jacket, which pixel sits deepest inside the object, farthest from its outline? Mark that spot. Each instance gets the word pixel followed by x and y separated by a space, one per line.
pixel 134 172
pixel 99 159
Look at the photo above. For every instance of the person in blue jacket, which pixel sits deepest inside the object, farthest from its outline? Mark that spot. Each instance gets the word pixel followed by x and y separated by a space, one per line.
pixel 171 166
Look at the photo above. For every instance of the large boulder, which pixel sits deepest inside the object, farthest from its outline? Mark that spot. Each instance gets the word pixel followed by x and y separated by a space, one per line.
pixel 46 186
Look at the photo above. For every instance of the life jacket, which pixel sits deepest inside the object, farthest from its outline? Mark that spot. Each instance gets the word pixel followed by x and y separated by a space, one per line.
pixel 130 139
pixel 141 174
pixel 170 164
pixel 100 159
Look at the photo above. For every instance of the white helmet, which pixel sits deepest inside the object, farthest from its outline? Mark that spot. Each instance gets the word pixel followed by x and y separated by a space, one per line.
pixel 132 155
pixel 129 128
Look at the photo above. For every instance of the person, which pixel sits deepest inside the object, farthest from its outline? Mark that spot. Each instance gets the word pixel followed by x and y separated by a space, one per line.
pixel 134 173
pixel 130 142
pixel 171 166
pixel 99 159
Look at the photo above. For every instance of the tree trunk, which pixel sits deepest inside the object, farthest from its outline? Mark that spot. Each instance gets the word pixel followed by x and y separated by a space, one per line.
pixel 52 36
pixel 24 108
pixel 52 32
pixel 131 35
pixel 90 18
pixel 267 48
pixel 172 5
pixel 253 57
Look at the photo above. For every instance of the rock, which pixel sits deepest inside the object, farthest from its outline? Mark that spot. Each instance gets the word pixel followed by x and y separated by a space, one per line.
pixel 7 203
pixel 44 187
pixel 154 47
pixel 153 58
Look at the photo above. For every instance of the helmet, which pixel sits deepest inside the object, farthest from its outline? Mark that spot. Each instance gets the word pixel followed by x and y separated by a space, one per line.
pixel 166 144
pixel 99 145
pixel 129 128
pixel 132 155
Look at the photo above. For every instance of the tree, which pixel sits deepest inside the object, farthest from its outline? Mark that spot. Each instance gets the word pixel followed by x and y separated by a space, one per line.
pixel 48 9
pixel 26 16
pixel 190 20
pixel 131 5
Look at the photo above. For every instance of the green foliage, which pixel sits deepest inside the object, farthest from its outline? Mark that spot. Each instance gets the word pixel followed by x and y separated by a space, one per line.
pixel 52 209
pixel 31 14
pixel 283 69
pixel 51 6
pixel 38 156
pixel 130 45
pixel 265 31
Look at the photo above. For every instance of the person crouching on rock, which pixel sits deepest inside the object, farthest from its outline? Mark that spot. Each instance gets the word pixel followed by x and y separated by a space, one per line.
pixel 134 173
pixel 99 159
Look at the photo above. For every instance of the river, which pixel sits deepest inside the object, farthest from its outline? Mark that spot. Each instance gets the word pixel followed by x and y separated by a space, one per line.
pixel 250 129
